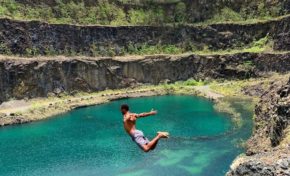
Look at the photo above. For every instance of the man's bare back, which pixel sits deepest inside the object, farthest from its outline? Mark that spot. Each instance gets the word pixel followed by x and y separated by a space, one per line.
pixel 129 120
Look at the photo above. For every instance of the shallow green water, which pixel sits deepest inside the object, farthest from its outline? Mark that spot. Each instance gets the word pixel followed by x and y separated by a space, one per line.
pixel 91 141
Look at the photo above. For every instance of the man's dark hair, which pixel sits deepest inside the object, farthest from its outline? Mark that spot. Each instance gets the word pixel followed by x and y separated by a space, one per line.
pixel 125 106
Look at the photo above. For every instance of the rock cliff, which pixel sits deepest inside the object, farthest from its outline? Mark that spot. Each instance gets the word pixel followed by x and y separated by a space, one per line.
pixel 269 148
pixel 37 77
pixel 22 37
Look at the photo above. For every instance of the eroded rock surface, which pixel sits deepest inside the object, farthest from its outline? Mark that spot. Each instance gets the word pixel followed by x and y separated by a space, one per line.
pixel 38 77
pixel 24 37
pixel 269 148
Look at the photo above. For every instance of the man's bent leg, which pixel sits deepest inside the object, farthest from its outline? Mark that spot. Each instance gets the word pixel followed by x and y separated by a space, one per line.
pixel 152 144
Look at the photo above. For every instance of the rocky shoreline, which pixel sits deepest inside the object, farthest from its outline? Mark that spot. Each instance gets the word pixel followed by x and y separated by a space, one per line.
pixel 39 109
pixel 268 150
pixel 43 108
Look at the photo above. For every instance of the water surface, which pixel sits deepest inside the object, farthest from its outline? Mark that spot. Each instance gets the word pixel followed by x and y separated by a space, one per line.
pixel 91 141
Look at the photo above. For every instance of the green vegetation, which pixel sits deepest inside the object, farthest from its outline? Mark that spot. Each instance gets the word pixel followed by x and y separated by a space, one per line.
pixel 125 12
pixel 246 15
pixel 157 49
pixel 262 45
pixel 192 82
pixel 4 49
pixel 226 15
pixel 235 87
pixel 104 13
pixel 107 13
pixel 230 88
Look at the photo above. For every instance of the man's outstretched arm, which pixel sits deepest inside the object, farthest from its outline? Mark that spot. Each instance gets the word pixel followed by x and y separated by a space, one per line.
pixel 146 114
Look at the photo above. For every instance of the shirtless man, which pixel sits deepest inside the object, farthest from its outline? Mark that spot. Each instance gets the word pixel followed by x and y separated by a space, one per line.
pixel 137 135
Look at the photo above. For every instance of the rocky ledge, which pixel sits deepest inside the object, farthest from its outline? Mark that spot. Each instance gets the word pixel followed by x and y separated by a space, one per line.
pixel 268 150
pixel 34 37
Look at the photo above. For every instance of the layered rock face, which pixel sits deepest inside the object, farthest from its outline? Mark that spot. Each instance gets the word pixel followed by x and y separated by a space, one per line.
pixel 37 77
pixel 269 148
pixel 21 37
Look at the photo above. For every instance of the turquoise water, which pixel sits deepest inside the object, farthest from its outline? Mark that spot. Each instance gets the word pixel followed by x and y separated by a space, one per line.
pixel 91 141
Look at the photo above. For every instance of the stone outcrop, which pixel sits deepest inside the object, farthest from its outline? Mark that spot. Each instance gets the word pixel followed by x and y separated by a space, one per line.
pixel 22 37
pixel 268 150
pixel 37 77
pixel 274 163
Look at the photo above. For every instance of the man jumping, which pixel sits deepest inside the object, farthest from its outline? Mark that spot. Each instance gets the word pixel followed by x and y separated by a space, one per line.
pixel 137 135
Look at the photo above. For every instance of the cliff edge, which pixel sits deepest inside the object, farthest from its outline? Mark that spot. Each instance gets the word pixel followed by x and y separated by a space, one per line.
pixel 268 150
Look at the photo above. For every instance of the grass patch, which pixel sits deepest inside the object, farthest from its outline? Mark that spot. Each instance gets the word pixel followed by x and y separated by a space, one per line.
pixel 157 49
pixel 247 14
pixel 191 82
pixel 123 12
pixel 235 87
pixel 105 12
pixel 264 44
pixel 225 15
pixel 229 88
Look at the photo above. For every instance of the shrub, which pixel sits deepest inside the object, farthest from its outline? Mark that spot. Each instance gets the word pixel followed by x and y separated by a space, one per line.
pixel 138 17
pixel 146 49
pixel 226 14
pixel 180 12
pixel 193 82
